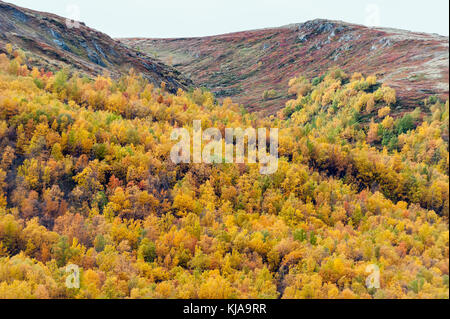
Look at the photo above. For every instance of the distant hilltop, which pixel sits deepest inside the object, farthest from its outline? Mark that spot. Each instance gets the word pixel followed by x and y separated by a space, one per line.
pixel 243 65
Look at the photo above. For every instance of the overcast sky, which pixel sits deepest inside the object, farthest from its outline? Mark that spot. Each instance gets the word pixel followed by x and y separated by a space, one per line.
pixel 188 18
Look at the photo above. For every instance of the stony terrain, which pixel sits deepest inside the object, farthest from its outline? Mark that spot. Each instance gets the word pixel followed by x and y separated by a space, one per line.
pixel 246 64
pixel 53 43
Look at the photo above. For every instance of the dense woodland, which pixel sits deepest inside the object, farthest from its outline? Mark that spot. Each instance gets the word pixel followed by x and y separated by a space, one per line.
pixel 86 179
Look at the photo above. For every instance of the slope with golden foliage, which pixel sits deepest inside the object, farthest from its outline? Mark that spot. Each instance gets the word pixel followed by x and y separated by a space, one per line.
pixel 86 179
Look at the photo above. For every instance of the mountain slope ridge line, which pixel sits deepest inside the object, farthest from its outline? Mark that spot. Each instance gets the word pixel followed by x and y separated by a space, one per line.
pixel 245 65
pixel 52 43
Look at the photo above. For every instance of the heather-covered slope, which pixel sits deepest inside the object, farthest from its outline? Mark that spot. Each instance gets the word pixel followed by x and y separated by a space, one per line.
pixel 52 43
pixel 247 65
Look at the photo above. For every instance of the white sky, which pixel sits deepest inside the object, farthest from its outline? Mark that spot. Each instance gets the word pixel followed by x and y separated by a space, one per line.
pixel 187 18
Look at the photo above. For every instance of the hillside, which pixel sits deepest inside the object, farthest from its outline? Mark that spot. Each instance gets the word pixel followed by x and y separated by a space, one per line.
pixel 247 65
pixel 51 43
pixel 86 179
pixel 356 208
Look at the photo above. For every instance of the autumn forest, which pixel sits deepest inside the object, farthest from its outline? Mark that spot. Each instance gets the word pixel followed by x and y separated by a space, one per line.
pixel 86 179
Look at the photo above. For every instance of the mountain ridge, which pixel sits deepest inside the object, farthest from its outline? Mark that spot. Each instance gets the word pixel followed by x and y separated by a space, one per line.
pixel 52 44
pixel 245 64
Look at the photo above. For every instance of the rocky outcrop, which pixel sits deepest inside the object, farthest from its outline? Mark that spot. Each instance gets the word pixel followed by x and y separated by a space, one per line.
pixel 54 42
